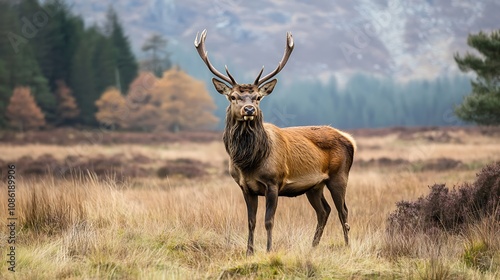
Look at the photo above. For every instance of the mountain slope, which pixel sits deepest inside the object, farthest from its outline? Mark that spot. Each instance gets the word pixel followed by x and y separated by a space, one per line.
pixel 410 39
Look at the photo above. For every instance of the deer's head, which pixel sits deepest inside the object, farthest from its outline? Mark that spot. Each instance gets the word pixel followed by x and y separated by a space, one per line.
pixel 243 99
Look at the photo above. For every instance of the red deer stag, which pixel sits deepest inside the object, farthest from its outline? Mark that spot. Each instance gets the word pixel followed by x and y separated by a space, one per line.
pixel 269 161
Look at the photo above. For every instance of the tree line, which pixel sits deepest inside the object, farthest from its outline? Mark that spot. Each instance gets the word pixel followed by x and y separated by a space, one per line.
pixel 46 47
pixel 70 72
pixel 56 71
pixel 367 101
pixel 378 101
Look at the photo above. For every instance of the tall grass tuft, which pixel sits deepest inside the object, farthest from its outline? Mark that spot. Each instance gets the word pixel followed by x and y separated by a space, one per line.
pixel 482 245
pixel 52 208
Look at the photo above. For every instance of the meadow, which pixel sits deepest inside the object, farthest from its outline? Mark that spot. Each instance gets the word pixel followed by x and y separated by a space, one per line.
pixel 164 223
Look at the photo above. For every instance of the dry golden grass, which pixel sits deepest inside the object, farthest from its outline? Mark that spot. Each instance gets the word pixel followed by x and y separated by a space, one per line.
pixel 461 146
pixel 86 228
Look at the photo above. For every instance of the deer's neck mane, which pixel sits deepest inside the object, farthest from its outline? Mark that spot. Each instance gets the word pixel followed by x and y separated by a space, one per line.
pixel 246 142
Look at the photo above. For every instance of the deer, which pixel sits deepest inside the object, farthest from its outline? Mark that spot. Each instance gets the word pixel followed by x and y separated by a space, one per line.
pixel 265 160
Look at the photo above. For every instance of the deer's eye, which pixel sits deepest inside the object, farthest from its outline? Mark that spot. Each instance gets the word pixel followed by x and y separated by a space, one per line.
pixel 233 97
pixel 259 98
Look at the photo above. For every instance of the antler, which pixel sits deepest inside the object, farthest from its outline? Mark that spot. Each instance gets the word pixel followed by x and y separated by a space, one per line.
pixel 200 46
pixel 281 64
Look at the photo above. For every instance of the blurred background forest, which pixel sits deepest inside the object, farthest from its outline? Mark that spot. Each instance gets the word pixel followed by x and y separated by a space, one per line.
pixel 88 64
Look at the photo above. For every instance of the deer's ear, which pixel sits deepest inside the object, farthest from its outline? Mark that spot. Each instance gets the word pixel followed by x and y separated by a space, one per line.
pixel 221 87
pixel 267 88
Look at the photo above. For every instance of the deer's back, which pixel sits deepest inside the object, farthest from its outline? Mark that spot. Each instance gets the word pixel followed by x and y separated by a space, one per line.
pixel 312 146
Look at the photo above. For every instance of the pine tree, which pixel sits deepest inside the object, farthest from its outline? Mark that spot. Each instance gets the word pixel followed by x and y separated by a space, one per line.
pixel 159 60
pixel 23 112
pixel 26 71
pixel 18 57
pixel 103 63
pixel 112 109
pixel 483 105
pixel 67 109
pixel 82 78
pixel 57 41
pixel 126 64
pixel 10 44
pixel 4 92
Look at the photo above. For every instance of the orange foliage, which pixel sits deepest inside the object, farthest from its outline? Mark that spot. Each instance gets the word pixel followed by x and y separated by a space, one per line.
pixel 185 102
pixel 67 108
pixel 142 115
pixel 173 103
pixel 23 112
pixel 112 109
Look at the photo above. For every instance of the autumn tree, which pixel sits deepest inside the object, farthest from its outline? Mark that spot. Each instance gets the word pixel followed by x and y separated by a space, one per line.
pixel 142 115
pixel 111 108
pixel 67 109
pixel 23 112
pixel 173 103
pixel 184 102
pixel 482 106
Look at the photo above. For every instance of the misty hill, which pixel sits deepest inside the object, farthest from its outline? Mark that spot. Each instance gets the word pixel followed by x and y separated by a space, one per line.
pixel 402 39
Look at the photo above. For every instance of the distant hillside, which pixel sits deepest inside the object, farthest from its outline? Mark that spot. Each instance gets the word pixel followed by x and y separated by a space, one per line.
pixel 396 38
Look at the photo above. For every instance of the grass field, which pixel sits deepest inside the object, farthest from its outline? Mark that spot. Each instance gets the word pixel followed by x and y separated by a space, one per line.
pixel 94 227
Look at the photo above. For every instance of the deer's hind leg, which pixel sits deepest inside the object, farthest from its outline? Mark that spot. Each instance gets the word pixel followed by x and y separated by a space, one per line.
pixel 320 205
pixel 337 185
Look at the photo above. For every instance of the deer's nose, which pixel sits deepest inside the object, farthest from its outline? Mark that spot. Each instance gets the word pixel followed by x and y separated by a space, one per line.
pixel 249 109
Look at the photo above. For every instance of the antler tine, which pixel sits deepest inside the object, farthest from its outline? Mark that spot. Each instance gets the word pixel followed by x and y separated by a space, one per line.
pixel 233 81
pixel 258 77
pixel 281 64
pixel 200 47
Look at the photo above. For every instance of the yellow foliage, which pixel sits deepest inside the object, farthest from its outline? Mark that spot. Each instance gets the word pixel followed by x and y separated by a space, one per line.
pixel 175 102
pixel 185 102
pixel 67 108
pixel 23 112
pixel 111 108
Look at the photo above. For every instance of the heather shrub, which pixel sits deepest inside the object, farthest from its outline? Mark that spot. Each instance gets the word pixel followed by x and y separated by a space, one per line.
pixel 117 166
pixel 189 168
pixel 439 164
pixel 70 136
pixel 28 166
pixel 450 210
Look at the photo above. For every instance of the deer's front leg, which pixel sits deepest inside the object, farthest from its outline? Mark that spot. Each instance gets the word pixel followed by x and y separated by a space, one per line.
pixel 271 204
pixel 252 204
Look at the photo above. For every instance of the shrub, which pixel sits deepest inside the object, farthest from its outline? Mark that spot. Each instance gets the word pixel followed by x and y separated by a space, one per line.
pixel 450 210
pixel 102 166
pixel 439 164
pixel 69 136
pixel 189 168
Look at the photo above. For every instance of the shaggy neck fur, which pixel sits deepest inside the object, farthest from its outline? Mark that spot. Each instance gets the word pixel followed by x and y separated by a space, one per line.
pixel 246 142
